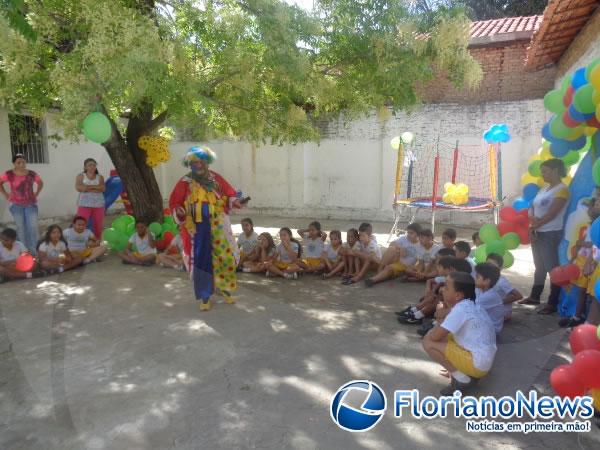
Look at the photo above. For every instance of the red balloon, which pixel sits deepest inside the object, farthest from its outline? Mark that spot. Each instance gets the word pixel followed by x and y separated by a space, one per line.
pixel 587 366
pixel 572 271
pixel 522 221
pixel 161 245
pixel 559 276
pixel 593 122
pixel 25 262
pixel 568 97
pixel 167 211
pixel 568 120
pixel 565 381
pixel 168 237
pixel 506 227
pixel 508 214
pixel 523 235
pixel 583 337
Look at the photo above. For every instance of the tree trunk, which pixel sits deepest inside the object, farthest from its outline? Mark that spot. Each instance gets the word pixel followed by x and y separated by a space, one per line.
pixel 138 179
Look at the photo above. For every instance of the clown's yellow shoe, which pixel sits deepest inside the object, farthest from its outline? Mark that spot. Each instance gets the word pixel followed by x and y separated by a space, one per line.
pixel 229 299
pixel 205 306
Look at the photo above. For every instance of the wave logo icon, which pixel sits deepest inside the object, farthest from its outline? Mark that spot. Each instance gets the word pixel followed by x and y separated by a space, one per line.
pixel 358 406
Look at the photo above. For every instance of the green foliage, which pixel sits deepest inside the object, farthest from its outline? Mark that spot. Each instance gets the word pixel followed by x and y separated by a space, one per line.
pixel 253 69
pixel 483 9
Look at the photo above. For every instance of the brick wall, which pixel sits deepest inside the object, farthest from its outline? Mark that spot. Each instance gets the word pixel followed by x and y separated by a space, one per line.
pixel 585 48
pixel 504 78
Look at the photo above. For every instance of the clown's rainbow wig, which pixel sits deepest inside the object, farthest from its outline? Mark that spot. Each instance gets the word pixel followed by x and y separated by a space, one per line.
pixel 198 154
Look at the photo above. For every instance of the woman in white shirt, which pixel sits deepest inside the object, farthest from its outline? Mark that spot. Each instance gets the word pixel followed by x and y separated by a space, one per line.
pixel 546 217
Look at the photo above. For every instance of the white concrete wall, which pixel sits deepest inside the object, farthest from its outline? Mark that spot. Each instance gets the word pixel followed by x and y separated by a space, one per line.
pixel 349 174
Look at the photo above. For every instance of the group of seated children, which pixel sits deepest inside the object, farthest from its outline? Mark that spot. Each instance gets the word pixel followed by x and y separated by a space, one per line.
pixel 57 251
pixel 350 260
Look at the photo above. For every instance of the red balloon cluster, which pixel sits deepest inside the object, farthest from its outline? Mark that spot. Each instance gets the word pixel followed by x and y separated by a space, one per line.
pixel 25 262
pixel 512 221
pixel 577 378
pixel 564 275
pixel 163 243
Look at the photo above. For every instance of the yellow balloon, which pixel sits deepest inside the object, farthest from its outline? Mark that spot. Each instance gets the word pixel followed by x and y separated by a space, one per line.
pixel 567 180
pixel 447 186
pixel 527 178
pixel 595 77
pixel 545 154
pixel 545 144
pixel 540 182
pixel 447 198
pixel 576 133
pixel 595 393
pixel 590 131
pixel 596 96
pixel 536 157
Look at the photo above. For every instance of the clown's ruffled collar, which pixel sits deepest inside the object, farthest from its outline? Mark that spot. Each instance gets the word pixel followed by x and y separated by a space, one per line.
pixel 207 180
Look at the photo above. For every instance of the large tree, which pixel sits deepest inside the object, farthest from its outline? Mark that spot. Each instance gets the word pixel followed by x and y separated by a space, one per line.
pixel 484 9
pixel 259 70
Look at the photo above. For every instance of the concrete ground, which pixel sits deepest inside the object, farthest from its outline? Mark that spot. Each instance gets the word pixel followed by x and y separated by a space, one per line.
pixel 118 357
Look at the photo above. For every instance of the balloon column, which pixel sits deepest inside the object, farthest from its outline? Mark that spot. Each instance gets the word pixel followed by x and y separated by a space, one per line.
pixel 581 376
pixel 123 228
pixel 456 194
pixel 156 148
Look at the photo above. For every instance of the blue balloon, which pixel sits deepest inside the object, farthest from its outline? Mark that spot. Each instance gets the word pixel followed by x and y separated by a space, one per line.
pixel 487 136
pixel 112 189
pixel 505 137
pixel 597 290
pixel 530 191
pixel 579 116
pixel 579 78
pixel 520 203
pixel 546 133
pixel 560 148
pixel 595 232
pixel 503 127
pixel 578 143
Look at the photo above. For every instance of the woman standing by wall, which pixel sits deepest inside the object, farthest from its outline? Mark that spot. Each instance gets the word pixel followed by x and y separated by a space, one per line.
pixel 90 205
pixel 547 215
pixel 23 200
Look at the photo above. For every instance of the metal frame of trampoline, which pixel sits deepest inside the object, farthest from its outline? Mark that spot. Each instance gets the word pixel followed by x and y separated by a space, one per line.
pixel 434 203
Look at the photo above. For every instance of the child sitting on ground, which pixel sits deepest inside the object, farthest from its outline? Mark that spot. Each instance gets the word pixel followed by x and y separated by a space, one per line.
pixel 314 246
pixel 486 296
pixel 173 255
pixel 332 255
pixel 367 254
pixel 463 251
pixel 145 247
pixel 400 256
pixel 264 255
pixel 426 254
pixel 505 290
pixel 247 240
pixel 448 238
pixel 287 256
pixel 53 253
pixel 10 250
pixel 81 242
pixel 465 343
pixel 347 253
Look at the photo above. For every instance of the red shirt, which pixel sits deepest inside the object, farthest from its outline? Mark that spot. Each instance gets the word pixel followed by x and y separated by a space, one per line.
pixel 21 187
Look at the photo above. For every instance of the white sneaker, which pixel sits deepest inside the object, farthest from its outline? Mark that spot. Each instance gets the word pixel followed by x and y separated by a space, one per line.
pixel 267 274
pixel 61 269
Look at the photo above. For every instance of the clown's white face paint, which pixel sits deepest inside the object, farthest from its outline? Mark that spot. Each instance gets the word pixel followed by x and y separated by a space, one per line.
pixel 199 167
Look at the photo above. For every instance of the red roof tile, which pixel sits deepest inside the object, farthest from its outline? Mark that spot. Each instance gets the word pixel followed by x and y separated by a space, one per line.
pixel 485 28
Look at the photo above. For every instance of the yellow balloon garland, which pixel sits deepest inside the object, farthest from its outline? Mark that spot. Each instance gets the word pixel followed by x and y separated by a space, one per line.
pixel 156 149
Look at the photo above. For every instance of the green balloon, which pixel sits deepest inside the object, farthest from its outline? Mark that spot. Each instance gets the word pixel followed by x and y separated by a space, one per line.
pixel 583 99
pixel 130 229
pixel 509 260
pixel 497 247
pixel 596 172
pixel 480 254
pixel 121 243
pixel 109 235
pixel 169 220
pixel 511 240
pixel 96 127
pixel 489 233
pixel 553 101
pixel 587 146
pixel 598 332
pixel 571 158
pixel 565 83
pixel 155 228
pixel 535 168
pixel 120 224
pixel 559 129
pixel 128 219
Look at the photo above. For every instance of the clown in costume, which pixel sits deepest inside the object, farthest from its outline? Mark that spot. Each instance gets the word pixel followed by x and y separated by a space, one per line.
pixel 200 202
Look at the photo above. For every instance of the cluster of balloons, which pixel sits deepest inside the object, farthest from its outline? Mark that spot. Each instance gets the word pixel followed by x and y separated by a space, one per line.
pixel 497 133
pixel 581 376
pixel 97 128
pixel 564 275
pixel 406 138
pixel 156 149
pixel 493 242
pixel 513 221
pixel 123 227
pixel 456 194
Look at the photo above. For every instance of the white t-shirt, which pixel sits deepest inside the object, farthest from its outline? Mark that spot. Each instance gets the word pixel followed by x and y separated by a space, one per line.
pixel 411 249
pixel 313 248
pixel 77 241
pixel 474 331
pixel 331 253
pixel 283 253
pixel 53 250
pixel 473 264
pixel 492 303
pixel 7 255
pixel 142 245
pixel 372 248
pixel 503 288
pixel 247 244
pixel 542 202
pixel 427 255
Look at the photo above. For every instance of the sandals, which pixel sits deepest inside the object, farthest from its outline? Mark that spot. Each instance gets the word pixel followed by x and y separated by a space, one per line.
pixel 529 301
pixel 547 310
pixel 348 282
